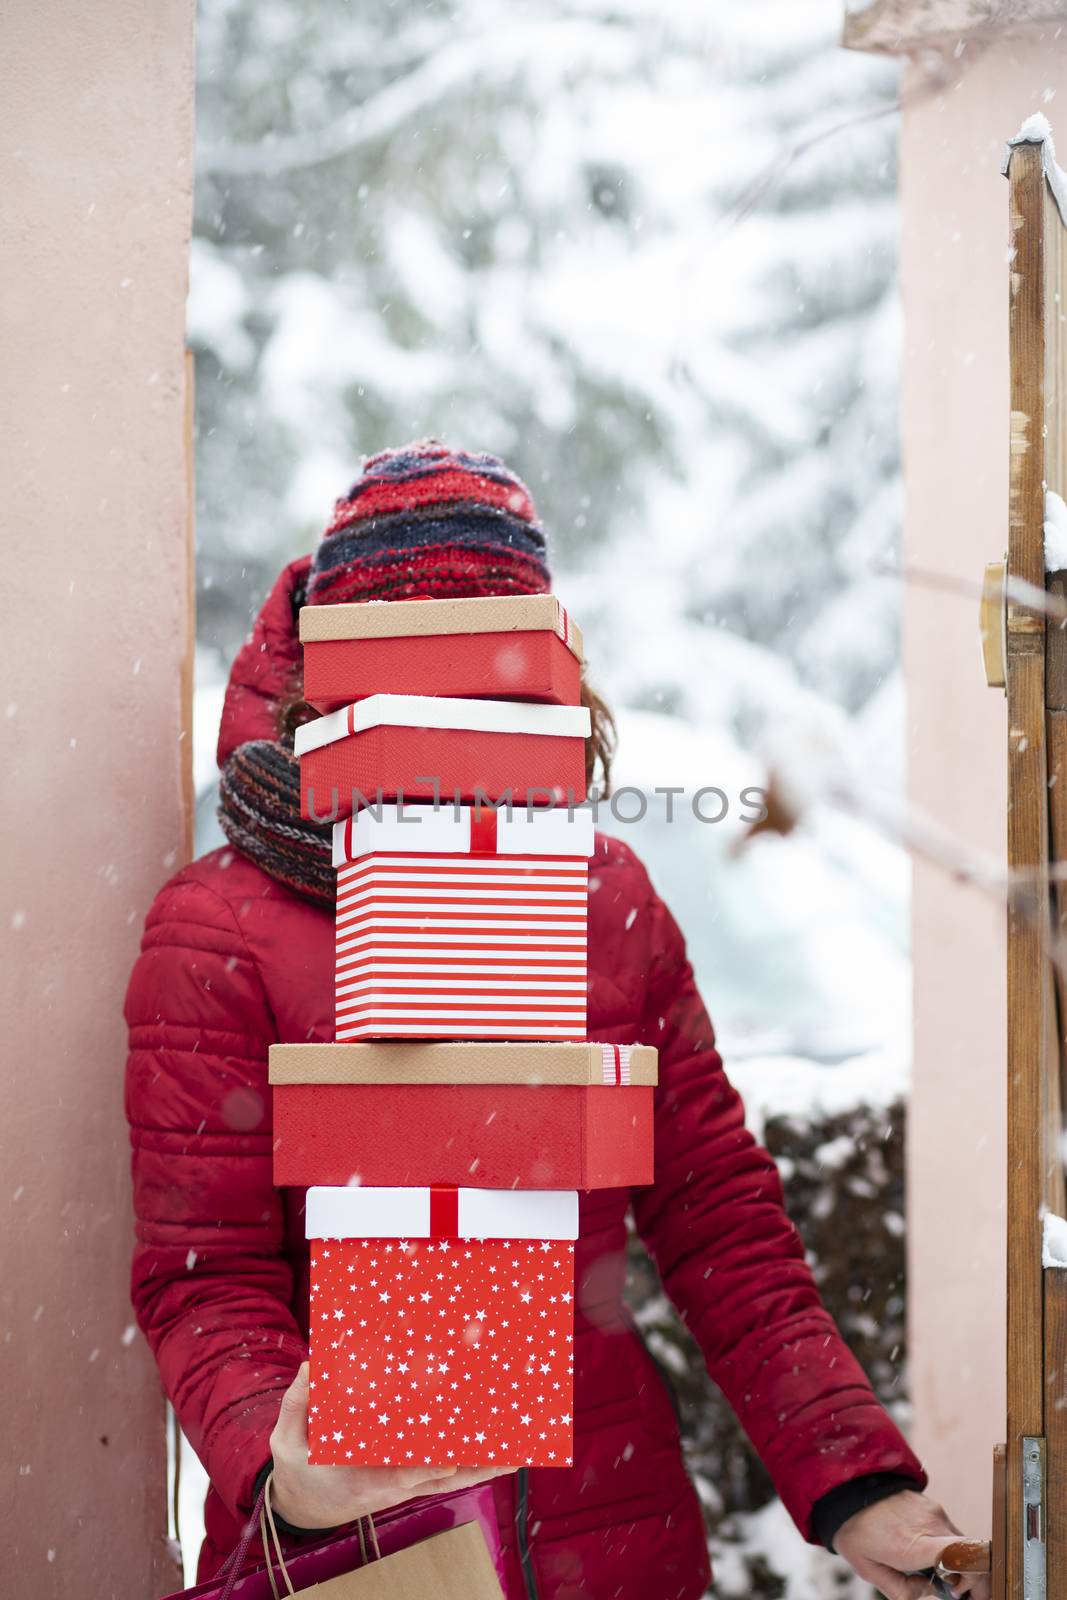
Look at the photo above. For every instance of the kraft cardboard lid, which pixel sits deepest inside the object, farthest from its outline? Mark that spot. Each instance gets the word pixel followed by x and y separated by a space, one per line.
pixel 403 1061
pixel 406 619
pixel 442 711
pixel 355 1212
pixel 456 830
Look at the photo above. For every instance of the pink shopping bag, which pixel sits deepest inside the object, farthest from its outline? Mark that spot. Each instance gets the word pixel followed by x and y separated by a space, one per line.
pixel 395 1530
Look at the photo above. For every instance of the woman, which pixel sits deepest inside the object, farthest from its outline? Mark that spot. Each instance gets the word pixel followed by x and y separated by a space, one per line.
pixel 237 954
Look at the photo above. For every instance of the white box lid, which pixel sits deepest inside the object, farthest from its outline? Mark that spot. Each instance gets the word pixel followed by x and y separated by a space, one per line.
pixel 443 711
pixel 447 830
pixel 357 1212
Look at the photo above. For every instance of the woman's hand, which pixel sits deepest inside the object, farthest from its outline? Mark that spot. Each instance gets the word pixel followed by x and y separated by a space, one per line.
pixel 903 1534
pixel 324 1497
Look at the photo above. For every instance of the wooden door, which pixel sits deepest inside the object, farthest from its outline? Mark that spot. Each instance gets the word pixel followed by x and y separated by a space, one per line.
pixel 1034 1557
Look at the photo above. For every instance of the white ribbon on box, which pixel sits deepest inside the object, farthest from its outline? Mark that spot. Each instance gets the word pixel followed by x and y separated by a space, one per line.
pixel 448 830
pixel 356 1212
pixel 443 711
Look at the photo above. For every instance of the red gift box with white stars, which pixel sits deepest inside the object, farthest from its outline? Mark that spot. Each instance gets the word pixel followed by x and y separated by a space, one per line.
pixel 441 1327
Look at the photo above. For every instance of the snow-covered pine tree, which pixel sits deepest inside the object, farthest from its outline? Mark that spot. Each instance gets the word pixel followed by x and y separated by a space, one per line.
pixel 624 246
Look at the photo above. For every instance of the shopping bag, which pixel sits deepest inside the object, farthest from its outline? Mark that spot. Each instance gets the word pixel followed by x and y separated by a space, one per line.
pixel 396 1530
pixel 451 1566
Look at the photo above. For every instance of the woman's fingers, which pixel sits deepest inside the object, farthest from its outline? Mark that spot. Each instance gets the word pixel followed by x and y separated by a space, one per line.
pixel 419 1474
pixel 469 1477
pixel 391 1479
pixel 968 1586
pixel 926 1549
pixel 378 1488
pixel 388 1486
pixel 894 1585
pixel 292 1423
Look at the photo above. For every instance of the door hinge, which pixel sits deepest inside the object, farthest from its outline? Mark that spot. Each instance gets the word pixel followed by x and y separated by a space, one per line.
pixel 993 616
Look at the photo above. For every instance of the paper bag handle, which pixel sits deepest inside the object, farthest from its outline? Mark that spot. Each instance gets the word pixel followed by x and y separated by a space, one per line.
pixel 373 1537
pixel 266 1521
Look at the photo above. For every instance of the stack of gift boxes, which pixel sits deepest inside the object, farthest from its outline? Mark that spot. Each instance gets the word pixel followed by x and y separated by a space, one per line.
pixel 445 1133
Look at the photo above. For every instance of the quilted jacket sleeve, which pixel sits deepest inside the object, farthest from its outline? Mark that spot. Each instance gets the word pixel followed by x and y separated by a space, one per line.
pixel 211 1287
pixel 715 1224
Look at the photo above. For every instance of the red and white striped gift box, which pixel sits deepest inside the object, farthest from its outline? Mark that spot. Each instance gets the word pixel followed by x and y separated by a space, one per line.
pixel 478 933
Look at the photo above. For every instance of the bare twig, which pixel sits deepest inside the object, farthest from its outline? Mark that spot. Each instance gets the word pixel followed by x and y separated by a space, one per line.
pixel 753 193
pixel 1025 596
pixel 935 81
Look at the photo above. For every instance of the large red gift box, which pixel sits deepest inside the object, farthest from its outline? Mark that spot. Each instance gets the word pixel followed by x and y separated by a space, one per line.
pixel 514 647
pixel 462 922
pixel 441 1327
pixel 504 1116
pixel 425 747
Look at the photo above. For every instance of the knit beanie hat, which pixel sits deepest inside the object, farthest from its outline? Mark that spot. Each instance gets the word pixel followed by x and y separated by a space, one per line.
pixel 428 521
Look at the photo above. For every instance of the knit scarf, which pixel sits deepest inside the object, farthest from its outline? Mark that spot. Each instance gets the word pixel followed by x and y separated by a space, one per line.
pixel 259 812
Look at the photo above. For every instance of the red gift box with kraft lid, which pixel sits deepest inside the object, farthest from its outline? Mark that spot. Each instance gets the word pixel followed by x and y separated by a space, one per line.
pixel 441 1327
pixel 424 747
pixel 512 647
pixel 502 1116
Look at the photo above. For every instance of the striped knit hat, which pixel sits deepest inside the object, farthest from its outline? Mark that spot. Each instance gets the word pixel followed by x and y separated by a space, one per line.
pixel 426 520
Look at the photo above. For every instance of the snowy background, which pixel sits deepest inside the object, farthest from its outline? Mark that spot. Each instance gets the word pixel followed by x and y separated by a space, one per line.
pixel 646 252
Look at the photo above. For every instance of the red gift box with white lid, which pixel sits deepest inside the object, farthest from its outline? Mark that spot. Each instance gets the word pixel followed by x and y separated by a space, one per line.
pixel 517 647
pixel 462 922
pixel 425 747
pixel 504 1116
pixel 441 1327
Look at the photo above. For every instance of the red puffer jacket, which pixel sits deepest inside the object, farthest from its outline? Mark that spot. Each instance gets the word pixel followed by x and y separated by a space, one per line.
pixel 232 961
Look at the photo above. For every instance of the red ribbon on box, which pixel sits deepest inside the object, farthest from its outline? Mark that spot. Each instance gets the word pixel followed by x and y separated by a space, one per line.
pixel 483 841
pixel 483 830
pixel 444 1213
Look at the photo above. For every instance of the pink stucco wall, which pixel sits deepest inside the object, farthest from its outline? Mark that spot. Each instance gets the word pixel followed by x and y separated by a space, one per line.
pixel 95 171
pixel 955 289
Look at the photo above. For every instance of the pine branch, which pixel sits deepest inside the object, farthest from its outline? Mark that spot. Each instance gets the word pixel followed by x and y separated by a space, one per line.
pixel 500 58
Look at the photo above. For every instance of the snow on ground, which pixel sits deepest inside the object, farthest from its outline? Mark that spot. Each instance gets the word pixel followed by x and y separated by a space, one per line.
pixel 192 1491
pixel 793 1086
pixel 811 1574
